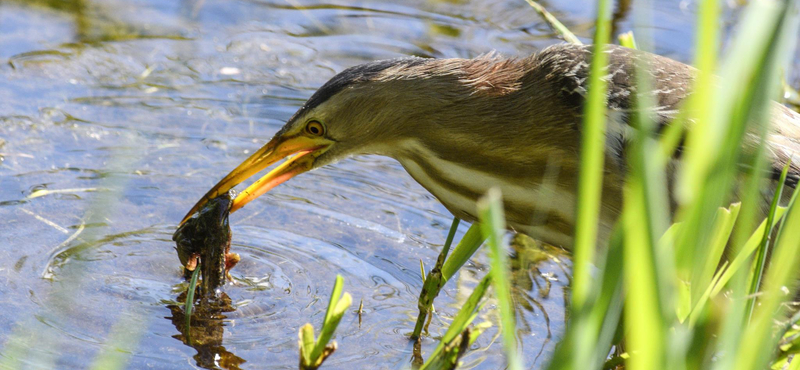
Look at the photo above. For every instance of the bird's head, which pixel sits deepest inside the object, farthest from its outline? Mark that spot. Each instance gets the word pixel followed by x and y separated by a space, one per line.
pixel 358 111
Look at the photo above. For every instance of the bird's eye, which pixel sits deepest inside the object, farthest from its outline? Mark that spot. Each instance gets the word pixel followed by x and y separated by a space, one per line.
pixel 315 128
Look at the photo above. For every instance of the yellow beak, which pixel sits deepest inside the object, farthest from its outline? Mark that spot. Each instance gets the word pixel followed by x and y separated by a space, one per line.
pixel 307 149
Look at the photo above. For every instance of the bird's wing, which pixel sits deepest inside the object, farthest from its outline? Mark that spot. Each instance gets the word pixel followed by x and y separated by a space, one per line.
pixel 566 66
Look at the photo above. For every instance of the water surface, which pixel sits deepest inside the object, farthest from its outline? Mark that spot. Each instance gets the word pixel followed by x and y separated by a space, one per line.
pixel 115 116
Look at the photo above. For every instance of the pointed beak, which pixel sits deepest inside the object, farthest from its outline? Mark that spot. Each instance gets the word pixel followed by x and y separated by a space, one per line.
pixel 305 151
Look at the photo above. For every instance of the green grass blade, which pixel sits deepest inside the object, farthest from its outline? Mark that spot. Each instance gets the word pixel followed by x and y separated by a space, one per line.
pixel 189 305
pixel 559 27
pixel 591 163
pixel 720 235
pixel 795 364
pixel 671 138
pixel 492 219
pixel 464 250
pixel 746 251
pixel 761 255
pixel 306 343
pixel 435 280
pixel 703 133
pixel 17 347
pixel 582 333
pixel 604 318
pixel 644 323
pixel 649 271
pixel 334 299
pixel 698 196
pixel 598 326
pixel 752 352
pixel 763 39
pixel 312 351
pixel 463 318
pixel 627 40
pixel 326 333
pixel 123 338
pixel 450 235
pixel 694 315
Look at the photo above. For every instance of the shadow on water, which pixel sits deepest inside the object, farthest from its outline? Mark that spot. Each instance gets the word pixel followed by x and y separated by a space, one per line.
pixel 206 331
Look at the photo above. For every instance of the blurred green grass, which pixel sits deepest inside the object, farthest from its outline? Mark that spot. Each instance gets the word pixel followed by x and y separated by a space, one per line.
pixel 668 280
pixel 674 315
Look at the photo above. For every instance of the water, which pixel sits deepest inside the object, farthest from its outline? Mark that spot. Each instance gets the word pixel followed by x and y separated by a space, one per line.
pixel 115 116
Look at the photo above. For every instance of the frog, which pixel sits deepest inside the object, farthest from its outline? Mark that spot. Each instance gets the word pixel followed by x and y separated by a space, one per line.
pixel 206 237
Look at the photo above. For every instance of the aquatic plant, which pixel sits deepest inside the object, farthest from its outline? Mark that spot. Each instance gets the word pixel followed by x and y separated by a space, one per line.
pixel 313 352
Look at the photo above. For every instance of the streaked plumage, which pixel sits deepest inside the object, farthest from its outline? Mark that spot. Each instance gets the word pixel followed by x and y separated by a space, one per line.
pixel 461 126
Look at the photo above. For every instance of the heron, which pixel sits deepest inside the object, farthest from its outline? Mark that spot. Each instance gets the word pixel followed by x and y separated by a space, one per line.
pixel 462 126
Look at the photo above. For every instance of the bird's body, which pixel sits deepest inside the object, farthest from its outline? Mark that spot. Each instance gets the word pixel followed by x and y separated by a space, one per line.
pixel 462 126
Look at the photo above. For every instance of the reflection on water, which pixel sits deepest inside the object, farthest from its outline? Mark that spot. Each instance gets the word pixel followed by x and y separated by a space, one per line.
pixel 149 103
pixel 205 332
pixel 537 272
pixel 96 21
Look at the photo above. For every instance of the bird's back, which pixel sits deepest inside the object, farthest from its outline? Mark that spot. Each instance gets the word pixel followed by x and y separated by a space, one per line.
pixel 567 66
pixel 516 124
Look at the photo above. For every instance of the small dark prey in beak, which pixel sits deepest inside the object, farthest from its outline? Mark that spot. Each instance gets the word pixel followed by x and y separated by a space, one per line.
pixel 205 238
